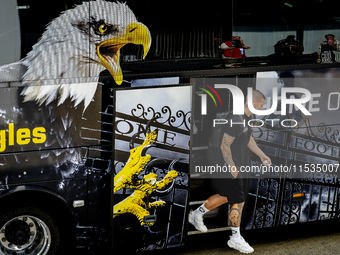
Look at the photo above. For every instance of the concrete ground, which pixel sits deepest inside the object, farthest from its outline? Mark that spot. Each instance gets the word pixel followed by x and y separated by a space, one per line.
pixel 310 238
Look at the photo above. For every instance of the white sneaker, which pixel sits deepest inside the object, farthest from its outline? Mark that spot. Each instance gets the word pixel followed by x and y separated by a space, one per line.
pixel 197 221
pixel 240 245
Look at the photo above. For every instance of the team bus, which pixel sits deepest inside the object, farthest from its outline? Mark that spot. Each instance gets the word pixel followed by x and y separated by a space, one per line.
pixel 106 110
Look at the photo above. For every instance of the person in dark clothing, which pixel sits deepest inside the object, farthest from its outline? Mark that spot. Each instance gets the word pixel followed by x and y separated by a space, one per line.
pixel 288 50
pixel 235 141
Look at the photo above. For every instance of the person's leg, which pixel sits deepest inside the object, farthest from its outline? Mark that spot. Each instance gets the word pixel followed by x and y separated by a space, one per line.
pixel 235 215
pixel 215 201
pixel 236 241
pixel 196 216
pixel 234 220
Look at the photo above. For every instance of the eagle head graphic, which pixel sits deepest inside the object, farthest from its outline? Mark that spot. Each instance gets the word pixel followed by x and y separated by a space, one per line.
pixel 76 47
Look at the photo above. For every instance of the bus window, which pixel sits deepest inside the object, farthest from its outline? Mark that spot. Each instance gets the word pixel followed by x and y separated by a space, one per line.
pixel 287 32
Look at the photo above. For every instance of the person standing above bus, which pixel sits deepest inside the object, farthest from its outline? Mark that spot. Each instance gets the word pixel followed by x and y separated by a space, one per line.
pixel 329 50
pixel 234 51
pixel 288 50
pixel 236 141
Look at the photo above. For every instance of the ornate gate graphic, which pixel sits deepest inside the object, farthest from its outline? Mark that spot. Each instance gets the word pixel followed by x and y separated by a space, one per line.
pixel 311 153
pixel 165 227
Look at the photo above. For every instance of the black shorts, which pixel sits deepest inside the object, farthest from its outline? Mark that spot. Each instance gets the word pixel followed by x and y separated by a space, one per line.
pixel 230 188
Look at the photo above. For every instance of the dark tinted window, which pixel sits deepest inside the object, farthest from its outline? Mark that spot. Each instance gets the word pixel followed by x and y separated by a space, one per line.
pixel 192 30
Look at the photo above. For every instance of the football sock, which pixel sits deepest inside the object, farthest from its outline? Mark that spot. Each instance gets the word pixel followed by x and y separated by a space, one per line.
pixel 201 210
pixel 235 233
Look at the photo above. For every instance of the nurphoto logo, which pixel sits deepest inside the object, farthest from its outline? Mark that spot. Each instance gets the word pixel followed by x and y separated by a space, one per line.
pixel 238 99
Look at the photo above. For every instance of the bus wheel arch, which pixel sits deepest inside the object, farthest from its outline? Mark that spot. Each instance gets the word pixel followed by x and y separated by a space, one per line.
pixel 28 230
pixel 34 222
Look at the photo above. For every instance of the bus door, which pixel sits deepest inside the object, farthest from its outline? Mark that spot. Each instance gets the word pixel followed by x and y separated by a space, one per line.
pixel 208 103
pixel 302 183
pixel 150 174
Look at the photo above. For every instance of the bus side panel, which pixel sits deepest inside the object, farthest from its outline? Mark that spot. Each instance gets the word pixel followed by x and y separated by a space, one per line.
pixel 58 147
pixel 151 183
pixel 32 167
pixel 310 153
pixel 50 133
pixel 27 125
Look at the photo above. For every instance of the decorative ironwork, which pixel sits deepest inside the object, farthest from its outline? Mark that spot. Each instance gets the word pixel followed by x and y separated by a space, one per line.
pixel 304 142
pixel 324 132
pixel 321 178
pixel 174 195
pixel 181 119
pixel 291 210
pixel 266 203
pixel 334 208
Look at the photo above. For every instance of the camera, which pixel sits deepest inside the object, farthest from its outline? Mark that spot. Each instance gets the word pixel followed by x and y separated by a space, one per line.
pixel 237 43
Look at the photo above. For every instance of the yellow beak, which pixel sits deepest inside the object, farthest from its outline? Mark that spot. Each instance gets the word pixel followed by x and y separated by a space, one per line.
pixel 109 50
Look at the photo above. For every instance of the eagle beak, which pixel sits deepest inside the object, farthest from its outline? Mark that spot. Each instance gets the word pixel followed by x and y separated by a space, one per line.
pixel 109 50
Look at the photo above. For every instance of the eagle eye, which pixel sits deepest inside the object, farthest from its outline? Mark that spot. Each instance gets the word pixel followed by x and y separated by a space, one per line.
pixel 102 29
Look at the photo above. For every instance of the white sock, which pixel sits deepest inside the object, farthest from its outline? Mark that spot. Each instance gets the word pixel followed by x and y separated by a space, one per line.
pixel 201 210
pixel 235 233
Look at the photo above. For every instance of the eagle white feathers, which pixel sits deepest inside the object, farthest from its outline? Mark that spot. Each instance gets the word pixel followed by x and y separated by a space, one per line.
pixel 74 49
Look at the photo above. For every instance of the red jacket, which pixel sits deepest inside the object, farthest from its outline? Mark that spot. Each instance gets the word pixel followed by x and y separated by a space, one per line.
pixel 233 53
